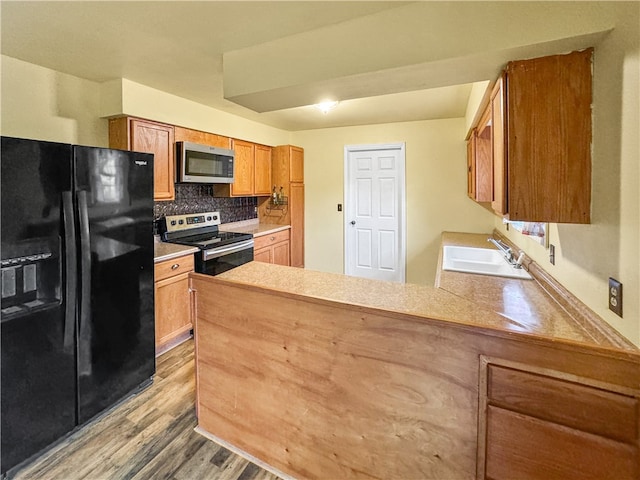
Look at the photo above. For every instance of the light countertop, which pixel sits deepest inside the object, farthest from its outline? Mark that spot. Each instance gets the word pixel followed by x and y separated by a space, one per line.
pixel 423 301
pixel 506 304
pixel 167 251
pixel 253 227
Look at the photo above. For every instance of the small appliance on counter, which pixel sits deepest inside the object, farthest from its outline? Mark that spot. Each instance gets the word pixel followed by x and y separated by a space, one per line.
pixel 219 251
pixel 77 288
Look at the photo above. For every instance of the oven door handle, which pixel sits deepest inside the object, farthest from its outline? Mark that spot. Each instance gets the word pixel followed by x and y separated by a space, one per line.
pixel 220 252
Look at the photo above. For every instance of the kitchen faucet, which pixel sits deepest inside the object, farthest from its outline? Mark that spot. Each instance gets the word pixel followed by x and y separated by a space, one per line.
pixel 508 253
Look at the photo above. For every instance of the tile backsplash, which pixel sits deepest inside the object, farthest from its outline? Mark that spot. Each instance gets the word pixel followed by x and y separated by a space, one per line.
pixel 195 198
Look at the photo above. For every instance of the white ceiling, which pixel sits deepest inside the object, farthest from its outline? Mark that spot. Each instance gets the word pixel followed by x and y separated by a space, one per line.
pixel 179 46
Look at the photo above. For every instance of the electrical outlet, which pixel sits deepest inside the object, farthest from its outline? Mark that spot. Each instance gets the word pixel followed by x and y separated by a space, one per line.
pixel 552 254
pixel 615 296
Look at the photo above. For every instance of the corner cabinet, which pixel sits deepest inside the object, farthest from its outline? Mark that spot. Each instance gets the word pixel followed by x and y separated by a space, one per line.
pixel 128 133
pixel 288 173
pixel 172 301
pixel 540 139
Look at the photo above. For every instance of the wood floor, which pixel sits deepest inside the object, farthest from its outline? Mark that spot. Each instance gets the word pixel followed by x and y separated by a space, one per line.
pixel 149 436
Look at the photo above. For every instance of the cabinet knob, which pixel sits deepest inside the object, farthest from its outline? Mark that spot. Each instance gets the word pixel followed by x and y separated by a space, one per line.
pixel 174 266
pixel 273 238
pixel 353 222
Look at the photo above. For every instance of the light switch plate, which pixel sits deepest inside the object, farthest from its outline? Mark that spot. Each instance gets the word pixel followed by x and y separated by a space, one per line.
pixel 615 296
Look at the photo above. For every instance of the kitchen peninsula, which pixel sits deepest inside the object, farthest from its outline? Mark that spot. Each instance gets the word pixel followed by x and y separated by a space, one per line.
pixel 318 375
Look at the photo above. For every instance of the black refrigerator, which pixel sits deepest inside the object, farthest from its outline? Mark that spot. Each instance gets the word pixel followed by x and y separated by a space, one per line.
pixel 77 319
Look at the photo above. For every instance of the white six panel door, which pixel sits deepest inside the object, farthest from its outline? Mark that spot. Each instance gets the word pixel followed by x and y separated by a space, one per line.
pixel 374 237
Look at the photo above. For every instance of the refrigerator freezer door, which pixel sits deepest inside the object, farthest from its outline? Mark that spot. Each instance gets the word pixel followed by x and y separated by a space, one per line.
pixel 116 352
pixel 38 399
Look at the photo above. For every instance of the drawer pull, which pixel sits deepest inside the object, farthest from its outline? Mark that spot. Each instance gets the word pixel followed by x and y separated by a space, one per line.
pixel 273 238
pixel 174 266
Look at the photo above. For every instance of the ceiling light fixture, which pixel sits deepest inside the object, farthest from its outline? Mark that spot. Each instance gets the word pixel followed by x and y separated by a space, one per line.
pixel 326 106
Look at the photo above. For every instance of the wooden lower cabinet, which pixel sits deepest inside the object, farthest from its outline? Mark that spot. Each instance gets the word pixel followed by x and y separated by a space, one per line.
pixel 172 303
pixel 273 248
pixel 549 425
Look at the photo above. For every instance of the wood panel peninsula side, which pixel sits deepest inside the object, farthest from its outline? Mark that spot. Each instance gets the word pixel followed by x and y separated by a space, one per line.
pixel 319 375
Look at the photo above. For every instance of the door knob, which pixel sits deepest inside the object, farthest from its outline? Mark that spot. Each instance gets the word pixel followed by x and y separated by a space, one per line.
pixel 353 222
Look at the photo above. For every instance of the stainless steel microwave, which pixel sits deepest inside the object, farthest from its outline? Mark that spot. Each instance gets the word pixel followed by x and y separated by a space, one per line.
pixel 204 164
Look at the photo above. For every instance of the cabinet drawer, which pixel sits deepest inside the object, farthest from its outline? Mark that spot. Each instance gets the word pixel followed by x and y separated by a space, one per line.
pixel 270 239
pixel 523 447
pixel 574 405
pixel 176 266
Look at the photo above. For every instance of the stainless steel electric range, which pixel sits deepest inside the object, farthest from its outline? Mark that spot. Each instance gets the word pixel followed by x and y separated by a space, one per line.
pixel 219 251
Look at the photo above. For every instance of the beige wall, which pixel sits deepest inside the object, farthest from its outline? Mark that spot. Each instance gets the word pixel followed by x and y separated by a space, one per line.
pixel 44 104
pixel 435 190
pixel 587 255
pixel 146 102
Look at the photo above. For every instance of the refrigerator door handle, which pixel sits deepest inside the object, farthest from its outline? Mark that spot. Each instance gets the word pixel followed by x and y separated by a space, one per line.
pixel 84 325
pixel 70 270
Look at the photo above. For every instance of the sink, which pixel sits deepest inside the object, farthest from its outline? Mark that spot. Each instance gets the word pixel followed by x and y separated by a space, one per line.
pixel 484 261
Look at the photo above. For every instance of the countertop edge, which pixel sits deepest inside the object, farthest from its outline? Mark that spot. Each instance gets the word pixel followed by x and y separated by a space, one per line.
pixel 172 251
pixel 573 309
pixel 492 330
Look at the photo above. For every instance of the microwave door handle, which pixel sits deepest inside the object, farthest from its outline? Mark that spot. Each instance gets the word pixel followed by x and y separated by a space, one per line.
pixel 220 252
pixel 70 271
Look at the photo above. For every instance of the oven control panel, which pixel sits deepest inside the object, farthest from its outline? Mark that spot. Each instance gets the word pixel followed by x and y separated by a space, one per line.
pixel 178 223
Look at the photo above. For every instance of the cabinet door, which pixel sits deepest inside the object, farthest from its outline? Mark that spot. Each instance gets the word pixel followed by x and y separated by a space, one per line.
pixel 471 166
pixel 539 424
pixel 281 253
pixel 244 166
pixel 296 165
pixel 499 199
pixel 263 255
pixel 296 209
pixel 172 308
pixel 262 170
pixel 203 138
pixel 549 138
pixel 156 138
pixel 484 158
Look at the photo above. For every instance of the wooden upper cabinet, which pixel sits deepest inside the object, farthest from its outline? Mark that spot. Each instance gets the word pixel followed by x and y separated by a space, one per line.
pixel 471 165
pixel 127 133
pixel 262 176
pixel 541 139
pixel 548 153
pixel 483 175
pixel 244 168
pixel 203 138
pixel 498 197
pixel 296 172
pixel 252 171
pixel 288 165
